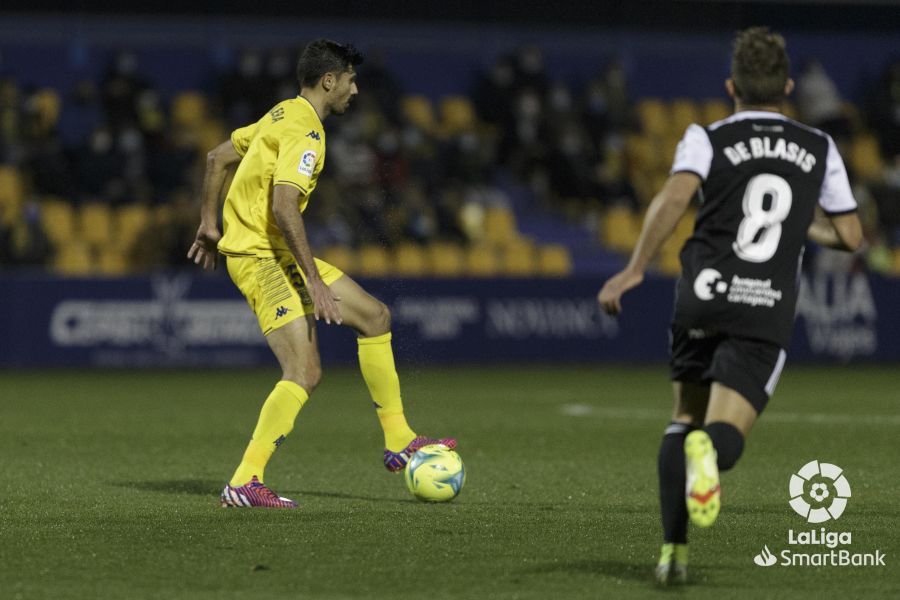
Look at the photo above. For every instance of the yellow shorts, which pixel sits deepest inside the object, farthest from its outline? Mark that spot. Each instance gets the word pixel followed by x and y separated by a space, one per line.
pixel 274 287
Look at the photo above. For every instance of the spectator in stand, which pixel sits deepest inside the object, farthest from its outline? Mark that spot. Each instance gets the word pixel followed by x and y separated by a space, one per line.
pixel 570 162
pixel 382 86
pixel 6 228
pixel 884 112
pixel 610 183
pixel 530 73
pixel 121 88
pixel 494 91
pixel 820 103
pixel 24 243
pixel 243 93
pixel 11 143
pixel 99 169
pixel 81 114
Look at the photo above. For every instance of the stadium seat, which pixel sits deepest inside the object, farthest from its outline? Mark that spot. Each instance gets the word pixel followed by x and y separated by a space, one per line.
pixel 669 255
pixel 518 260
pixel 130 223
pixel 865 157
pixel 209 135
pixel 58 219
pixel 500 224
pixel 790 111
pixel 642 155
pixel 653 116
pixel 11 194
pixel 113 261
pixel 418 111
pixel 554 260
pixel 410 261
pixel 74 258
pixel 457 115
pixel 341 257
pixel 713 110
pixel 96 223
pixel 48 105
pixel 669 262
pixel 446 259
pixel 620 228
pixel 684 112
pixel 189 110
pixel 373 261
pixel 481 261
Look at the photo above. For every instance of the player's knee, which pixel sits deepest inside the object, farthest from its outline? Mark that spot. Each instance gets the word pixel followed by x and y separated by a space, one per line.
pixel 728 442
pixel 384 317
pixel 306 376
pixel 380 321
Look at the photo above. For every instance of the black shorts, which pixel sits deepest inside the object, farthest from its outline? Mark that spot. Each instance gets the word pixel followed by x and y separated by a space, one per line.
pixel 749 367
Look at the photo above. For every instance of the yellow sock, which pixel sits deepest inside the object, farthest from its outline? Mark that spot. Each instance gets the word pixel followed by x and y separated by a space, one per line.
pixel 276 420
pixel 376 361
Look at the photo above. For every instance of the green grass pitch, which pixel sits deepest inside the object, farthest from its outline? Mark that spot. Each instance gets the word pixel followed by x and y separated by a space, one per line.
pixel 110 486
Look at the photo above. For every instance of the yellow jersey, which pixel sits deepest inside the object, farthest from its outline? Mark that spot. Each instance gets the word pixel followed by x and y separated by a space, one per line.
pixel 285 147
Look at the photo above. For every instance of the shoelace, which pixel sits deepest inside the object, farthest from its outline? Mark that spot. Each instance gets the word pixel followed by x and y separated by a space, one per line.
pixel 262 490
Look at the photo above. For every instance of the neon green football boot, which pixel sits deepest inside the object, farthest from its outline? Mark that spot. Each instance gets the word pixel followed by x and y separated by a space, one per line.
pixel 672 565
pixel 702 491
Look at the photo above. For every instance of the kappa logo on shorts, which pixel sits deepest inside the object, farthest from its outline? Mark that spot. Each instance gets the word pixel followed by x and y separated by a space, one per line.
pixel 281 311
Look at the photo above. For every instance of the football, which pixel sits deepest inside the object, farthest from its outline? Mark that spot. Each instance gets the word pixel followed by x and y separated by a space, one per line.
pixel 435 473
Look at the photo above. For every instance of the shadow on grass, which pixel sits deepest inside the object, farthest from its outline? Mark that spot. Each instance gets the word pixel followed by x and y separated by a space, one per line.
pixel 197 487
pixel 343 496
pixel 207 487
pixel 617 569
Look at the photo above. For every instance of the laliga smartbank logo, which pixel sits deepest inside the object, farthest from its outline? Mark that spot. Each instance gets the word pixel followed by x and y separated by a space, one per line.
pixel 819 493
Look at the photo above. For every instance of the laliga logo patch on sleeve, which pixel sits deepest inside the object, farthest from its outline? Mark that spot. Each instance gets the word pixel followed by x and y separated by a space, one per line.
pixel 307 163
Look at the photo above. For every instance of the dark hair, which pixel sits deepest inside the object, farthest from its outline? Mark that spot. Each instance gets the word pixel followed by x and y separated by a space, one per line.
pixel 325 56
pixel 759 66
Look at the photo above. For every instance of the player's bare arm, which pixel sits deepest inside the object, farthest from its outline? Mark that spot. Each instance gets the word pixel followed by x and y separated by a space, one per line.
pixel 663 215
pixel 290 221
pixel 841 232
pixel 218 161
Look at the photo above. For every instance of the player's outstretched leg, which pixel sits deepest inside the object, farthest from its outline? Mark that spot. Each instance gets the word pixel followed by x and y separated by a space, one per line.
pixel 702 491
pixel 376 361
pixel 372 321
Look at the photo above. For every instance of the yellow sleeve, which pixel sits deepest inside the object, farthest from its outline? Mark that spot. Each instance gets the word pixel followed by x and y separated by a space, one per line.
pixel 241 138
pixel 298 161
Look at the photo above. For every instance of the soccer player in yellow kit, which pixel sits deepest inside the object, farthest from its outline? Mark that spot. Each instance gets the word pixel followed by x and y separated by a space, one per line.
pixel 269 259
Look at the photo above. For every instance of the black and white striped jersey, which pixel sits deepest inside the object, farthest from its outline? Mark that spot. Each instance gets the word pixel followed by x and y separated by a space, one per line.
pixel 762 176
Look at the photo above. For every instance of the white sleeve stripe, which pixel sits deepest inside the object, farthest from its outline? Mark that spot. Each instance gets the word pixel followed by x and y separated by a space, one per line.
pixel 694 152
pixel 836 196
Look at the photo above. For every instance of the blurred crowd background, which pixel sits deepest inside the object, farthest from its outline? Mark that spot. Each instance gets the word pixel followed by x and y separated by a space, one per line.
pixel 525 173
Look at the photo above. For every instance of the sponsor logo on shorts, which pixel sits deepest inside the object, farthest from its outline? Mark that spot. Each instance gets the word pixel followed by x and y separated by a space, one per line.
pixel 281 311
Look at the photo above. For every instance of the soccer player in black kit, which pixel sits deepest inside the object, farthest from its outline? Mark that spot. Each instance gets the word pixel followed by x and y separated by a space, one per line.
pixel 765 184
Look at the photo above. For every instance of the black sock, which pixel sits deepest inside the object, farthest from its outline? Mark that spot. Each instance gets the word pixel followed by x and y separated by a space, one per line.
pixel 671 483
pixel 728 442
